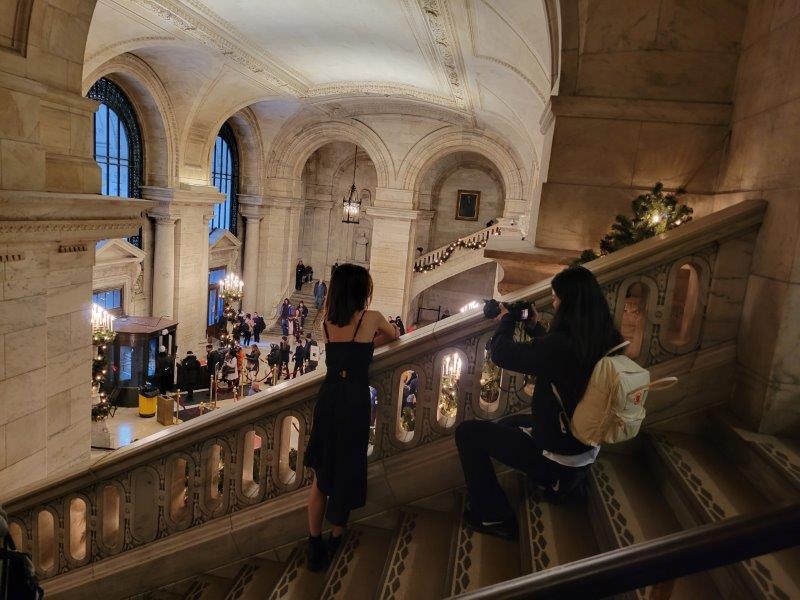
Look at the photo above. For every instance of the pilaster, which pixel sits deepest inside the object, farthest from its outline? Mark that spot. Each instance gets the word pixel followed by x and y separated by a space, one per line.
pixel 392 258
pixel 252 210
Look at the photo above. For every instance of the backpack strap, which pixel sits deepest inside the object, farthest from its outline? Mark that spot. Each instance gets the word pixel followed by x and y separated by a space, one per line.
pixel 618 347
pixel 659 384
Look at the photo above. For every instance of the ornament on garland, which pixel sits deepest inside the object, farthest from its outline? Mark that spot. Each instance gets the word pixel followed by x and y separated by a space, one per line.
pixel 468 243
pixel 102 335
pixel 653 214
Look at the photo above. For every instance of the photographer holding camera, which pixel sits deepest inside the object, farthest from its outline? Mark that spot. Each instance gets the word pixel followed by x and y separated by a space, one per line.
pixel 539 444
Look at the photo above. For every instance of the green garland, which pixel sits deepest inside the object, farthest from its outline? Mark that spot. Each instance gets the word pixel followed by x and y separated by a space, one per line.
pixel 653 214
pixel 448 252
pixel 100 339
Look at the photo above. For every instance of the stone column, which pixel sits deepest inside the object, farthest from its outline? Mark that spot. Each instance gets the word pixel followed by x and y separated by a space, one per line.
pixel 164 267
pixel 190 207
pixel 250 272
pixel 392 259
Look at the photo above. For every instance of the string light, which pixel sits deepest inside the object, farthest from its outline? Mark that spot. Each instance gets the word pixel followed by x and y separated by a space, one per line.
pixel 470 243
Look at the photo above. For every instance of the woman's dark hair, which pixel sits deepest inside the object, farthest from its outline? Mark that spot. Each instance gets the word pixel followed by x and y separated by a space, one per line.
pixel 584 315
pixel 350 291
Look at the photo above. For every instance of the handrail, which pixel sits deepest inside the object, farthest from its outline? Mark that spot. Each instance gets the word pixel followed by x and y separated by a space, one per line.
pixel 683 553
pixel 199 471
pixel 479 237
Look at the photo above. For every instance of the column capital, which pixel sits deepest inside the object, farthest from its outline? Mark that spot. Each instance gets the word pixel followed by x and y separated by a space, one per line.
pixel 251 207
pixel 163 220
pixel 402 214
pixel 173 201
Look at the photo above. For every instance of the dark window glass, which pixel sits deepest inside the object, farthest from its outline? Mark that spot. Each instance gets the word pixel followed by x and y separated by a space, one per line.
pixel 111 300
pixel 117 144
pixel 225 177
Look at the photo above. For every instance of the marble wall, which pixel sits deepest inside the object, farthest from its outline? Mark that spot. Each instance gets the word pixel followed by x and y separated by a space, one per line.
pixel 644 97
pixel 457 291
pixel 763 160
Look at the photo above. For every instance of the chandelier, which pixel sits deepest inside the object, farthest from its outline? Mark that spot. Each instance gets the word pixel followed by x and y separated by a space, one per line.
pixel 351 206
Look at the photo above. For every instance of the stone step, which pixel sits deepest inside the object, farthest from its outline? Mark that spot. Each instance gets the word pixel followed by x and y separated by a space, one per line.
pixel 357 570
pixel 626 507
pixel 256 578
pixel 418 558
pixel 772 463
pixel 703 485
pixel 296 582
pixel 478 560
pixel 552 534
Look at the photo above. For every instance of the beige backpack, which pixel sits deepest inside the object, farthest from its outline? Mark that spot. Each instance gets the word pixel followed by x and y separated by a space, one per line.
pixel 612 407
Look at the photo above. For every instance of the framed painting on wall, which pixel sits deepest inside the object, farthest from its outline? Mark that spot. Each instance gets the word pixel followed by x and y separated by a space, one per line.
pixel 468 204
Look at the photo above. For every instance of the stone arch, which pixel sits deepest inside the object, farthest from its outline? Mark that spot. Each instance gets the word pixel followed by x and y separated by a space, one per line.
pixel 452 139
pixel 295 145
pixel 153 109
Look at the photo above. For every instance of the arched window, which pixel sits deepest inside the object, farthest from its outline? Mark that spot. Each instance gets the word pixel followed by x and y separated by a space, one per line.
pixel 225 176
pixel 117 143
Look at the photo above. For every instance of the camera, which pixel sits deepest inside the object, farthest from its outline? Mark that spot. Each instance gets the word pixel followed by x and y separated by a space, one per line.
pixel 520 310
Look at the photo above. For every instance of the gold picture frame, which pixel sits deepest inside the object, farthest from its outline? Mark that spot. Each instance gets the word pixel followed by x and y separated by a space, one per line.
pixel 468 205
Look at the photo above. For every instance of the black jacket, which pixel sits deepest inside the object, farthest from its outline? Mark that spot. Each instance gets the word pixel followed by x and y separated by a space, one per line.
pixel 552 359
pixel 191 371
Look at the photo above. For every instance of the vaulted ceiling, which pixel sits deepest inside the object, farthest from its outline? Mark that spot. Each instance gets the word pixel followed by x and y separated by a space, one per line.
pixel 490 62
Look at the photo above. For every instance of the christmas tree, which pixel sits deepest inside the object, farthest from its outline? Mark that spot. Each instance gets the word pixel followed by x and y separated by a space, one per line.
pixel 653 214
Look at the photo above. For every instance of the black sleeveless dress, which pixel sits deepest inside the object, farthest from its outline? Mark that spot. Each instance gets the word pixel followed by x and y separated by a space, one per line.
pixel 337 449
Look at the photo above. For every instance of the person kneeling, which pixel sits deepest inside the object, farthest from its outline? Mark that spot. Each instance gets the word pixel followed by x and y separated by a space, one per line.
pixel 540 446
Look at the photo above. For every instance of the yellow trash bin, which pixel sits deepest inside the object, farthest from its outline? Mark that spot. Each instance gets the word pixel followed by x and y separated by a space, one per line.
pixel 148 397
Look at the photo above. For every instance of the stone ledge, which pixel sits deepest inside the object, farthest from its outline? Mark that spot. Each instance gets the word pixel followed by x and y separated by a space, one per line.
pixel 627 109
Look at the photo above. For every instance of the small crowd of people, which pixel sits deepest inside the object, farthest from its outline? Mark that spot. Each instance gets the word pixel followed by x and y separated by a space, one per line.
pixel 303 274
pixel 293 319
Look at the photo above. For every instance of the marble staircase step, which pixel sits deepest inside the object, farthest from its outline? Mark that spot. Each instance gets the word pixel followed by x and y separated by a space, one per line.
pixel 478 560
pixel 771 462
pixel 626 507
pixel 296 582
pixel 552 534
pixel 356 571
pixel 703 485
pixel 256 578
pixel 417 561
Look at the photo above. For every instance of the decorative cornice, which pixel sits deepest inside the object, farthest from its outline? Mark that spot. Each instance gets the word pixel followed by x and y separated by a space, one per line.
pixel 398 214
pixel 352 88
pixel 198 22
pixel 440 26
pixel 204 196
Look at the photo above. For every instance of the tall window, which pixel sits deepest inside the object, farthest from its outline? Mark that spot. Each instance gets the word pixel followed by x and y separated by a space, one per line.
pixel 117 143
pixel 111 300
pixel 225 176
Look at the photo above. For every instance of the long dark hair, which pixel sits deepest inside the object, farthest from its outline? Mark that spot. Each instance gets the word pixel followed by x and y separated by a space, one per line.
pixel 350 291
pixel 584 315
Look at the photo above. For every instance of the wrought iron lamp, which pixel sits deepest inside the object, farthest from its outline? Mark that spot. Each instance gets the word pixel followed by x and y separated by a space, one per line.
pixel 351 206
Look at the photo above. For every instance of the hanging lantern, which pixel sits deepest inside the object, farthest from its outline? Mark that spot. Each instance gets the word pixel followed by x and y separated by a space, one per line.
pixel 351 206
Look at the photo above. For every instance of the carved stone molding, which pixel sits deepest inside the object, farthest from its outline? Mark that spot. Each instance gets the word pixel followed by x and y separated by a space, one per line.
pixel 440 26
pixel 196 21
pixel 350 88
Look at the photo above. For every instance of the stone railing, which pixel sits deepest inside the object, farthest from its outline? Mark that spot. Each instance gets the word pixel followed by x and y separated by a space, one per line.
pixel 473 241
pixel 677 296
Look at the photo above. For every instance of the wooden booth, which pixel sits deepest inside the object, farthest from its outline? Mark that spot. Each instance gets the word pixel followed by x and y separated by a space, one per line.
pixel 133 353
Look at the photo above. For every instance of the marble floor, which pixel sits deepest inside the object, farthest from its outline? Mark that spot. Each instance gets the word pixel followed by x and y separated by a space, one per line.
pixel 126 426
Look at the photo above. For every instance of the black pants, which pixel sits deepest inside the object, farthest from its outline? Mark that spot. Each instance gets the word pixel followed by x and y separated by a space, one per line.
pixel 256 335
pixel 480 441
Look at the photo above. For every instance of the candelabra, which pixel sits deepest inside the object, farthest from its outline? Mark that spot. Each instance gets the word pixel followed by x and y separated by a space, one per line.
pixel 230 290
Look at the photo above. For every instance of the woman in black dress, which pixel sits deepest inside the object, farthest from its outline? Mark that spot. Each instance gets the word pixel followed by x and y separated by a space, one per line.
pixel 337 450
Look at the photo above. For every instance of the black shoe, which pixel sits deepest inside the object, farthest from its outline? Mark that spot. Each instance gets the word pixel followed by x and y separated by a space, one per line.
pixel 317 556
pixel 333 545
pixel 506 529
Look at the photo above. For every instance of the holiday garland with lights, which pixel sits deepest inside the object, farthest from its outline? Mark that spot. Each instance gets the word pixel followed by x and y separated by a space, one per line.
pixel 230 290
pixel 653 214
pixel 452 247
pixel 100 339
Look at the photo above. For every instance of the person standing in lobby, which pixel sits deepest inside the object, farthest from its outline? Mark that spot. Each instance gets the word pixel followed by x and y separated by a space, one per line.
pixel 300 271
pixel 320 291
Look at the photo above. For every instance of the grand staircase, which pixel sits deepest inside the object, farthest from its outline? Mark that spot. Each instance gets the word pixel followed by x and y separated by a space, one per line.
pixel 306 294
pixel 216 509
pixel 664 483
